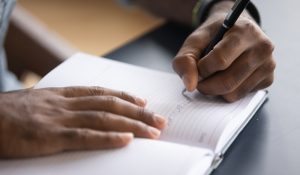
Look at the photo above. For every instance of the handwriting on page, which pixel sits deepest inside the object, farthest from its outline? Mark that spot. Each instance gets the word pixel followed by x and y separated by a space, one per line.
pixel 179 107
pixel 196 119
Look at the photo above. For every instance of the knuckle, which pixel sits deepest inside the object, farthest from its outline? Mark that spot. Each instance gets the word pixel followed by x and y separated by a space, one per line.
pixel 104 117
pixel 96 91
pixel 124 94
pixel 55 100
pixel 235 39
pixel 145 115
pixel 189 58
pixel 111 101
pixel 69 91
pixel 249 26
pixel 270 66
pixel 58 113
pixel 245 25
pixel 127 96
pixel 141 112
pixel 83 134
pixel 69 104
pixel 249 64
pixel 221 61
pixel 266 45
pixel 228 85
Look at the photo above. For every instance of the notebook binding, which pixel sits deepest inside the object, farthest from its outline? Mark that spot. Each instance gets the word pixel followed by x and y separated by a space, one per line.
pixel 217 161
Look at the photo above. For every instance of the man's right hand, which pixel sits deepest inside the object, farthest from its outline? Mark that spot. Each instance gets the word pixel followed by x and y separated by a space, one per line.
pixel 47 121
pixel 242 62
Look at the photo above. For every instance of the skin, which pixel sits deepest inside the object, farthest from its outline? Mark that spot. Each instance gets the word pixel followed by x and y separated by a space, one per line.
pixel 47 121
pixel 241 63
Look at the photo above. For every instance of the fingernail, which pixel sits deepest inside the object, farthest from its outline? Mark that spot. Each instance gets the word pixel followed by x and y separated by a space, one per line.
pixel 127 137
pixel 154 132
pixel 141 102
pixel 191 84
pixel 186 81
pixel 162 121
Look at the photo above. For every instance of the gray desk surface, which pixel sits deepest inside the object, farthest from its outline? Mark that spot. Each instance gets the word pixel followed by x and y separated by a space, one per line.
pixel 270 144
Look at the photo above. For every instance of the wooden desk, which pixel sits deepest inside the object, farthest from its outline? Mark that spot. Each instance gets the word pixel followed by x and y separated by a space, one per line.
pixel 93 26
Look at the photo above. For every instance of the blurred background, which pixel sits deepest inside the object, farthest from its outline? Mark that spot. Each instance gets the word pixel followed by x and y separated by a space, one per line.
pixel 48 31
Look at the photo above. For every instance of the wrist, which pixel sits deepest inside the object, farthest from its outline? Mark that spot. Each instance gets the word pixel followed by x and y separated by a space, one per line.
pixel 222 8
pixel 212 8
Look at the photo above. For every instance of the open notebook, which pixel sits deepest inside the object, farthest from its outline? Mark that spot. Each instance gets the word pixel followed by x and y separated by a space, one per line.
pixel 200 129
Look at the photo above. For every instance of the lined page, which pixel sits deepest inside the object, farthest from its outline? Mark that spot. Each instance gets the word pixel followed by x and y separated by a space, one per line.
pixel 193 119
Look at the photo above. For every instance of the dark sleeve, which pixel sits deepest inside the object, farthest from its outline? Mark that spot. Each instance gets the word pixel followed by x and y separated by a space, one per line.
pixel 207 4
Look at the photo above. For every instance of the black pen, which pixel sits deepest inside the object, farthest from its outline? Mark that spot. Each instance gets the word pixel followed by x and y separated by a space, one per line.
pixel 235 12
pixel 237 9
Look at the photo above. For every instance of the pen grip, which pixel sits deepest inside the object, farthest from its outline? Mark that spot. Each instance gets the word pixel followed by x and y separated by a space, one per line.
pixel 217 38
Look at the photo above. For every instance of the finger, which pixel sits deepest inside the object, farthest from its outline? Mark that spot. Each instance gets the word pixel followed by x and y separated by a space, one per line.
pixel 86 139
pixel 100 91
pixel 185 63
pixel 265 83
pixel 186 68
pixel 117 106
pixel 261 78
pixel 222 56
pixel 104 121
pixel 227 81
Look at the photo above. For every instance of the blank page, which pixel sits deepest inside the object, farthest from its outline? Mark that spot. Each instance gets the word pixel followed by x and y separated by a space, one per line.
pixel 142 157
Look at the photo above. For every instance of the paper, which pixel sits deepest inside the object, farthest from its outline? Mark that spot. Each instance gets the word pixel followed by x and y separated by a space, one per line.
pixel 143 156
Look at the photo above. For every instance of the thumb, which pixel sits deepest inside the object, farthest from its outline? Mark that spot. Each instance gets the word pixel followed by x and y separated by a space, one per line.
pixel 186 68
pixel 185 63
